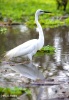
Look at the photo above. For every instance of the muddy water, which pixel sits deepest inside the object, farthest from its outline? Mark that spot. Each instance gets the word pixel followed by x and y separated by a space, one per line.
pixel 54 66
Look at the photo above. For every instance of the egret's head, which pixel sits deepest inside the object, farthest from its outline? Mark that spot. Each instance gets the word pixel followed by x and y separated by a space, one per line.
pixel 39 12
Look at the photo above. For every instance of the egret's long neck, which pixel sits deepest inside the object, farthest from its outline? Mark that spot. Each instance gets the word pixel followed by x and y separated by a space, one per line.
pixel 41 35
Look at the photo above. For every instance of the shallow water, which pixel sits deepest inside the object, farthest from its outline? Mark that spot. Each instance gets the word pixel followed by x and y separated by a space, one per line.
pixel 54 66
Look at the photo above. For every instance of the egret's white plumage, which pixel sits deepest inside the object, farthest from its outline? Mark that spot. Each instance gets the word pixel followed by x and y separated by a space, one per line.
pixel 29 48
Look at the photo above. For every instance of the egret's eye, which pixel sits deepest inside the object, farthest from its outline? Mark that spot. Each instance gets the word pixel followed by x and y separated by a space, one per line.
pixel 41 11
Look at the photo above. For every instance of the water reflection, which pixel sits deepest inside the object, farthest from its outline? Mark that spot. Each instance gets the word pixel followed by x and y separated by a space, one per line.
pixel 57 45
pixel 28 70
pixel 23 28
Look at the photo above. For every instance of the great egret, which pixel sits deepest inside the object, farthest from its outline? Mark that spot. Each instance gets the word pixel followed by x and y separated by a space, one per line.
pixel 29 48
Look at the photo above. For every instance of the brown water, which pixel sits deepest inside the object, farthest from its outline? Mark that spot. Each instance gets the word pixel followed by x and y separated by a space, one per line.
pixel 54 66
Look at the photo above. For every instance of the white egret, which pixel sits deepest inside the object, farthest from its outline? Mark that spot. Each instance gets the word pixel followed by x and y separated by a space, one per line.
pixel 29 48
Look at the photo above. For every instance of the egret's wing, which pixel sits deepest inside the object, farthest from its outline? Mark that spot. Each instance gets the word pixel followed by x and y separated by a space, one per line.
pixel 22 49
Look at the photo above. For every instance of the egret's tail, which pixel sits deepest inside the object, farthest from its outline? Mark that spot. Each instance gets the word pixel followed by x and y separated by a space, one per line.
pixel 8 56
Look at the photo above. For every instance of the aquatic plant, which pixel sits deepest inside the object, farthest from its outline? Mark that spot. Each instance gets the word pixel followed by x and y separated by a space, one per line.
pixel 1 91
pixel 3 30
pixel 46 50
pixel 13 92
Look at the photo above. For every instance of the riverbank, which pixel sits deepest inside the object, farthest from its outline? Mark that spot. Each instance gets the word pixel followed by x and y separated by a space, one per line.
pixel 22 11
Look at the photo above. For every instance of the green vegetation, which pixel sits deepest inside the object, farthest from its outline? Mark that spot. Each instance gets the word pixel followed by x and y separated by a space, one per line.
pixel 48 49
pixel 13 92
pixel 45 50
pixel 3 30
pixel 23 11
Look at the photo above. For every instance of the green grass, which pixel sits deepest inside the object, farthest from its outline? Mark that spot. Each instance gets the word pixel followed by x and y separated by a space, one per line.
pixel 23 11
